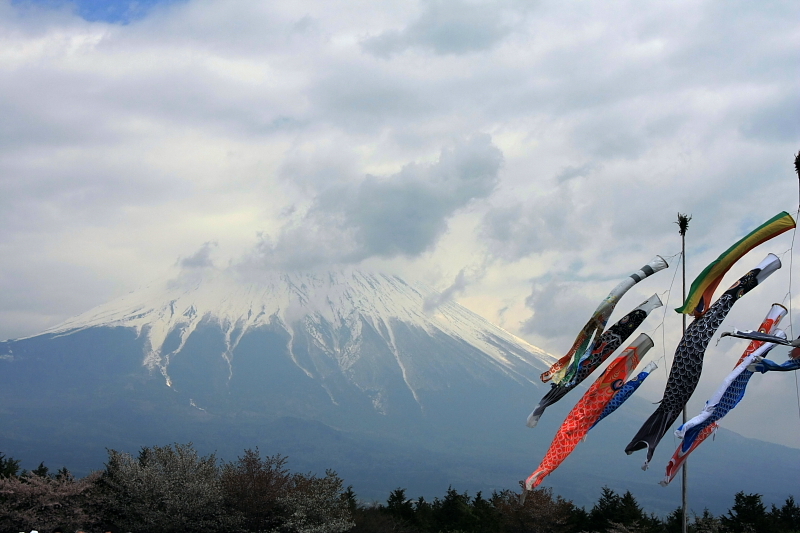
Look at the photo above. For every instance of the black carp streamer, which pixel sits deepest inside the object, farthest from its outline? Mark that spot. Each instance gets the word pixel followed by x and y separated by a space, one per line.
pixel 688 362
pixel 606 344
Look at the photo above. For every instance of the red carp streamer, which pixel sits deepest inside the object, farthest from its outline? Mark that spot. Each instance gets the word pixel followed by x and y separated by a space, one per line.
pixel 588 410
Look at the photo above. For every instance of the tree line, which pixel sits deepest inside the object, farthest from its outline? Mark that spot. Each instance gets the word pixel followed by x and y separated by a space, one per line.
pixel 543 512
pixel 171 489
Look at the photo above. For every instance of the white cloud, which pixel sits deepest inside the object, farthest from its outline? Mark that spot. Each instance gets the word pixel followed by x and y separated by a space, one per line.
pixel 385 216
pixel 445 27
pixel 336 133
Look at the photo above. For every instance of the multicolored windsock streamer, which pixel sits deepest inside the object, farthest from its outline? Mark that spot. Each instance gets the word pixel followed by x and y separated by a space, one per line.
pixel 560 371
pixel 688 362
pixel 727 397
pixel 608 342
pixel 588 409
pixel 626 391
pixel 702 291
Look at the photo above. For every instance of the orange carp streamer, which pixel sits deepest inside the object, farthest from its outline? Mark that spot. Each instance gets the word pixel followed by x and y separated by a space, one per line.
pixel 588 410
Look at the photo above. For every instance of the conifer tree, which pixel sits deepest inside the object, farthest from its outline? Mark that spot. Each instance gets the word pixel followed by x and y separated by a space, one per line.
pixel 747 514
pixel 8 467
pixel 40 470
pixel 787 518
pixel 487 518
pixel 400 507
pixel 605 510
pixel 452 512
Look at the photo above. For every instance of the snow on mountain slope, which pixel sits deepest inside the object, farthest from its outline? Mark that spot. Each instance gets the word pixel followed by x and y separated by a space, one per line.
pixel 331 308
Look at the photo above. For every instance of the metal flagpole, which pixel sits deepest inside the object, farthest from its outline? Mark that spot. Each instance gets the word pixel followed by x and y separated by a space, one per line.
pixel 683 225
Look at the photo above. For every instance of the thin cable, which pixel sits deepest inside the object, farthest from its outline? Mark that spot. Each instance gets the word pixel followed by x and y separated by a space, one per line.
pixel 652 332
pixel 670 256
pixel 797 391
pixel 664 316
pixel 791 268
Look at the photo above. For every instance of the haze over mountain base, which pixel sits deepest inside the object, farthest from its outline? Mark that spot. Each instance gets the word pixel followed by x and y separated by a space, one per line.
pixel 351 371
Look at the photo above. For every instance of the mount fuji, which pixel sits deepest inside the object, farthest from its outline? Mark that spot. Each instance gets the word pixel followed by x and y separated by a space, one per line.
pixel 359 337
pixel 385 381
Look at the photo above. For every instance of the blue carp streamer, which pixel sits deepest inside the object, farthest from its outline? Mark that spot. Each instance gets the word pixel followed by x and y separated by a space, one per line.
pixel 626 391
pixel 728 400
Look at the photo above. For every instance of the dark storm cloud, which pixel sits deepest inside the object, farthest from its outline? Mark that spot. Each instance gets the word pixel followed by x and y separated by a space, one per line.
pixel 401 214
pixel 445 27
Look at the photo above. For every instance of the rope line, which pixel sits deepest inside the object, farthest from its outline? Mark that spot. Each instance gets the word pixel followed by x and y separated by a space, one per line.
pixel 664 315
pixel 786 297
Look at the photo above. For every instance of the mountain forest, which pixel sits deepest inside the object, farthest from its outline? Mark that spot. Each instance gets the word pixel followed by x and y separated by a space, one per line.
pixel 171 489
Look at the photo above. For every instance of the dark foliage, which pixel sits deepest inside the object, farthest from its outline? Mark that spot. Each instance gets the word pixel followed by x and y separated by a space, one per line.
pixel 252 487
pixel 41 470
pixel 747 514
pixel 611 507
pixel 8 467
pixel 172 488
pixel 31 501
pixel 540 513
pixel 787 518
pixel 458 512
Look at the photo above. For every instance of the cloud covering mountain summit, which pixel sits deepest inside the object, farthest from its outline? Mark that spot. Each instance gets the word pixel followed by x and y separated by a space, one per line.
pixel 400 214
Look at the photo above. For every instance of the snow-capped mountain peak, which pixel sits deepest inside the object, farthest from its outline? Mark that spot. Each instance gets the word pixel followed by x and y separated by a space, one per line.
pixel 331 313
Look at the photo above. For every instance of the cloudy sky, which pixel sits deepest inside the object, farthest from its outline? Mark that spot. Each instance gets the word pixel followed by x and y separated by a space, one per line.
pixel 521 156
